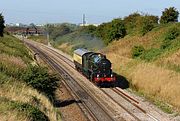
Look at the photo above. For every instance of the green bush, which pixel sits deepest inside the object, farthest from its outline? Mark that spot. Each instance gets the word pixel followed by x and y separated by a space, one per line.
pixel 172 33
pixel 110 31
pixel 151 54
pixel 33 113
pixel 140 23
pixel 165 44
pixel 38 78
pixel 137 51
pixel 130 22
pixel 169 15
pixel 91 29
pixel 148 24
pixel 117 30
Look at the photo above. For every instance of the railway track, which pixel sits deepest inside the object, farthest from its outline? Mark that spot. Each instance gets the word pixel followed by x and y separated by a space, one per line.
pixel 88 105
pixel 131 106
pixel 120 92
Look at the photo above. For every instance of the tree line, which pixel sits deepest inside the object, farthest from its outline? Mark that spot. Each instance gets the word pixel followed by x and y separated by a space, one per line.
pixel 1 25
pixel 117 28
pixel 135 23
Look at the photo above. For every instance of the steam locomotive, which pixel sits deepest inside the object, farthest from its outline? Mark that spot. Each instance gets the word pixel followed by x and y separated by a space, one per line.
pixel 94 66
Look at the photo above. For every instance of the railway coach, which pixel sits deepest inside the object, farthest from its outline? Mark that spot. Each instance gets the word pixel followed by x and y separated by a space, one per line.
pixel 95 66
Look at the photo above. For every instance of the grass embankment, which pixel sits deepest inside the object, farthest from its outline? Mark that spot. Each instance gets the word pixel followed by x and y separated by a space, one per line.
pixel 155 71
pixel 39 38
pixel 22 87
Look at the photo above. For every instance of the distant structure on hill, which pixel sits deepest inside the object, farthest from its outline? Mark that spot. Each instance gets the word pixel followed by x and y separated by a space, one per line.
pixel 27 30
pixel 84 22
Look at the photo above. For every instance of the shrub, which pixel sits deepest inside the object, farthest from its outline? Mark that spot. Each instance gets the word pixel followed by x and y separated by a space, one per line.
pixel 137 51
pixel 111 30
pixel 91 29
pixel 116 30
pixel 151 54
pixel 148 23
pixel 130 21
pixel 165 44
pixel 172 33
pixel 140 23
pixel 38 78
pixel 169 15
pixel 33 113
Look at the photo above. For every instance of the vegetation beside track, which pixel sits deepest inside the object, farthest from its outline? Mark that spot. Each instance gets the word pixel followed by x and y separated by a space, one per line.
pixel 151 63
pixel 141 49
pixel 23 87
pixel 39 38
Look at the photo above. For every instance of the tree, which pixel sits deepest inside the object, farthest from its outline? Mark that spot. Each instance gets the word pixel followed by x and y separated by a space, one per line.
pixel 117 29
pixel 130 22
pixel 91 29
pixel 147 23
pixel 169 15
pixel 1 25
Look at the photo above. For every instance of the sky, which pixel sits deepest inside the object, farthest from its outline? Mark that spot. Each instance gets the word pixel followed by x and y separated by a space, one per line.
pixel 71 11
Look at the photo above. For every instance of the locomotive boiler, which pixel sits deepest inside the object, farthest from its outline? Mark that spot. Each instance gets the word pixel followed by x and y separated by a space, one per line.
pixel 95 66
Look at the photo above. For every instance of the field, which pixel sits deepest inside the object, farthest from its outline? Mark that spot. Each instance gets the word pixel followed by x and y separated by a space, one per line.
pixel 19 99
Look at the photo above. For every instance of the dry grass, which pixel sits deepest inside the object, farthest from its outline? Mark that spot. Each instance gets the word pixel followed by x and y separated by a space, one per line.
pixel 17 91
pixel 12 116
pixel 153 79
pixel 173 59
pixel 13 63
pixel 65 47
pixel 156 81
pixel 16 61
pixel 123 46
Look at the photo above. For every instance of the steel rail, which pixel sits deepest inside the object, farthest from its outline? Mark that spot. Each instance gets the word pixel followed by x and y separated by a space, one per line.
pixel 58 68
pixel 120 92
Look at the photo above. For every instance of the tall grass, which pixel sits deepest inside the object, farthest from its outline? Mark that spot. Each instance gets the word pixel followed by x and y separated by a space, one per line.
pixel 18 100
pixel 157 82
pixel 14 47
pixel 155 73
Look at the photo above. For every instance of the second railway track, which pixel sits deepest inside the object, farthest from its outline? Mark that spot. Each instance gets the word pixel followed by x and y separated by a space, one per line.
pixel 91 107
pixel 135 114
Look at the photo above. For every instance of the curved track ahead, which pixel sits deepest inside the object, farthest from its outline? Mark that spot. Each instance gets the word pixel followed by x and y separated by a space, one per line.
pixel 90 105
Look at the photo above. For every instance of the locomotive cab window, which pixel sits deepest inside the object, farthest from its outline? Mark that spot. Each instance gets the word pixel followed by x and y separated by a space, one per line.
pixel 98 57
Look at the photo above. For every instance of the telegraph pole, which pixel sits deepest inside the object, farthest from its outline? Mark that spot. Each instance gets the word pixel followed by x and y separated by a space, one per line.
pixel 48 39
